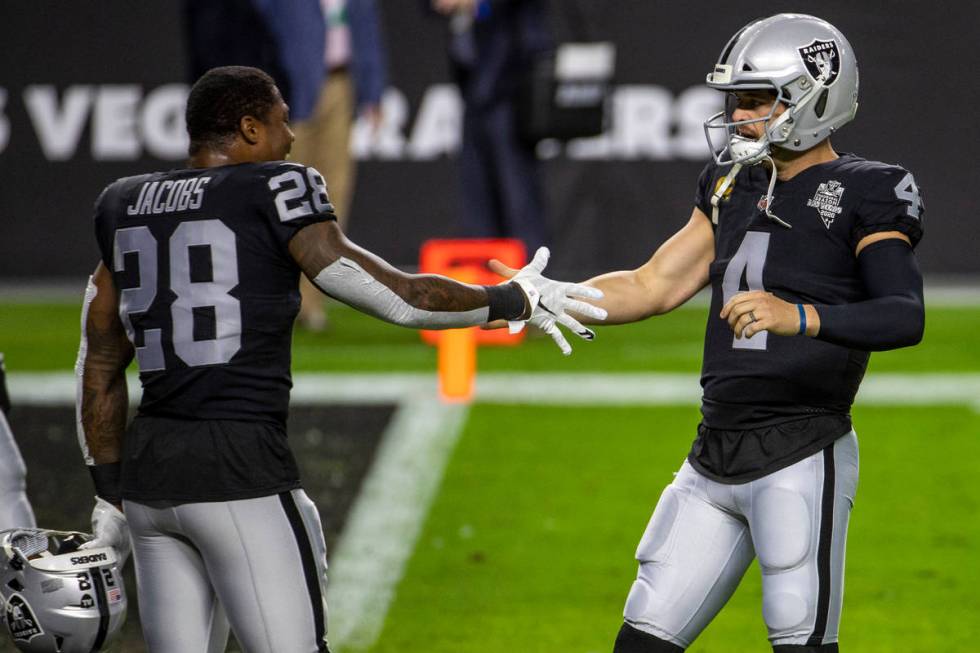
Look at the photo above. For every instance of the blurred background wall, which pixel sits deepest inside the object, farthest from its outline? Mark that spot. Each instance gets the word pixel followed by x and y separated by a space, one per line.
pixel 91 91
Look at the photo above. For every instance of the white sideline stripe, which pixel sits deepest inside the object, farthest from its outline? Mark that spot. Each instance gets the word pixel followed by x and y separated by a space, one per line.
pixel 386 518
pixel 58 388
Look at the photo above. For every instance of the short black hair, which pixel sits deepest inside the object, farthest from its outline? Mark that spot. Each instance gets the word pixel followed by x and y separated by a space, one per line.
pixel 221 97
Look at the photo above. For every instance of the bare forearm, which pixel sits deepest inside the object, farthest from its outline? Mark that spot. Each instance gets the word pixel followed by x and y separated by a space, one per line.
pixel 626 298
pixel 633 295
pixel 105 399
pixel 104 352
pixel 675 272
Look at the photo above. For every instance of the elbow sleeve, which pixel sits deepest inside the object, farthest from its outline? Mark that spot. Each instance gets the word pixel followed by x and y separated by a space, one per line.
pixel 347 281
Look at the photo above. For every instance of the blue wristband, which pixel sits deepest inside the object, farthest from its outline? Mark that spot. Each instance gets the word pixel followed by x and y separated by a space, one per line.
pixel 802 330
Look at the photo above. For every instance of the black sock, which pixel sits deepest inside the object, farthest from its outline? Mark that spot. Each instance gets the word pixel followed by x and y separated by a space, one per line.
pixel 631 640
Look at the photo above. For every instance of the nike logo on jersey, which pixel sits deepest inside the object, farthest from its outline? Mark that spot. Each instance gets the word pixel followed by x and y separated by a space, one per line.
pixel 827 201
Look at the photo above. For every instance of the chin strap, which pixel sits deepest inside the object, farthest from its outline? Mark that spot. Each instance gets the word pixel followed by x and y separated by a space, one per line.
pixel 720 191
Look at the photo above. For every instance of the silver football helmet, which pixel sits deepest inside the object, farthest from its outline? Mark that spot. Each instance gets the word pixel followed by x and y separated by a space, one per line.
pixel 56 598
pixel 810 66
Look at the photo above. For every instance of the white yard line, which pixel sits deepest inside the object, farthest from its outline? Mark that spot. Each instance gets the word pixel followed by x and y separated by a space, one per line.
pixel 386 518
pixel 538 388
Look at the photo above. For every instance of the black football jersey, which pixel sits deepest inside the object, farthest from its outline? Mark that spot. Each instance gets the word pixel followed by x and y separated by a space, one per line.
pixel 765 381
pixel 208 290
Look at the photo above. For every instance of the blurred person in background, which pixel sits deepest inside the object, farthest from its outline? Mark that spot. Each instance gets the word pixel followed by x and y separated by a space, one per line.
pixel 809 255
pixel 491 45
pixel 15 508
pixel 356 77
pixel 282 37
pixel 198 280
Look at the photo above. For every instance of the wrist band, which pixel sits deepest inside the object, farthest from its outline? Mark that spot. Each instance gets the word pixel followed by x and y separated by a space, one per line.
pixel 506 302
pixel 106 478
pixel 802 330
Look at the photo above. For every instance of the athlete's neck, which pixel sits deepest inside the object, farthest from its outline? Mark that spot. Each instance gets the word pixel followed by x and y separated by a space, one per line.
pixel 790 163
pixel 236 152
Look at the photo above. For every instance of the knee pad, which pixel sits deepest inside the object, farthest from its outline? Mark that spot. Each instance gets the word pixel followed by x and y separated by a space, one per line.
pixel 652 548
pixel 781 529
pixel 633 640
pixel 782 537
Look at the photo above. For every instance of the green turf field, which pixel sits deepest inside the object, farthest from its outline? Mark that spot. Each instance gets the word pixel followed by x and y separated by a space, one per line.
pixel 528 546
pixel 45 337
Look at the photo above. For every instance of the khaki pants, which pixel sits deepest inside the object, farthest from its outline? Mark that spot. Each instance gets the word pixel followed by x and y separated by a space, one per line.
pixel 323 142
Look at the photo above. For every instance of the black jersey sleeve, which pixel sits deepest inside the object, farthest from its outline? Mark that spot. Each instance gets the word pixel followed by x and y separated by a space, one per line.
pixel 103 230
pixel 892 202
pixel 295 197
pixel 702 197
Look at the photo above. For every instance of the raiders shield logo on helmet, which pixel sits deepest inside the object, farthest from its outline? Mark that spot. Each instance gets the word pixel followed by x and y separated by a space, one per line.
pixel 20 619
pixel 822 60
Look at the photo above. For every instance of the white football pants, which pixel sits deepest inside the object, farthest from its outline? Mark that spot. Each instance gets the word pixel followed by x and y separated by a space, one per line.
pixel 703 535
pixel 263 560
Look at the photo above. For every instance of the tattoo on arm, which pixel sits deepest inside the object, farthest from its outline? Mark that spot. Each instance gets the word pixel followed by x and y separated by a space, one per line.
pixel 317 246
pixel 104 395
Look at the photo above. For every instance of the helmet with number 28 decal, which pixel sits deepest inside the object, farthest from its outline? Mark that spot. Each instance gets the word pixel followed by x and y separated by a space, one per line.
pixel 57 598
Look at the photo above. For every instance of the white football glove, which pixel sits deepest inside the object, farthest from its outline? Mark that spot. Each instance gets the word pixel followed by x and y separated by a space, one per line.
pixel 551 300
pixel 109 528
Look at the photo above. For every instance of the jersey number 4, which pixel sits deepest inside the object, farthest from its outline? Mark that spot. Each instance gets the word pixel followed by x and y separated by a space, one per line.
pixel 207 299
pixel 749 261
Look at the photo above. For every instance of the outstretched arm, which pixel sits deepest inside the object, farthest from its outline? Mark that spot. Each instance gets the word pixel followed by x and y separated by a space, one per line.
pixel 357 277
pixel 675 272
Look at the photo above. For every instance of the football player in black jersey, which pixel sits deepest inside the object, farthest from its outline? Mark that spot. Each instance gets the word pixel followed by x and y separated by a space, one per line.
pixel 199 281
pixel 809 255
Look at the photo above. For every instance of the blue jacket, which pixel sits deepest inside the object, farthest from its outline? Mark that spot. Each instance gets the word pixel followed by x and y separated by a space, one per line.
pixel 299 28
pixel 368 56
pixel 505 37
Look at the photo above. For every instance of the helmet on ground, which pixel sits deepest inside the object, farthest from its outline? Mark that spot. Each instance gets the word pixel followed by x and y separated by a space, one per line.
pixel 810 67
pixel 57 598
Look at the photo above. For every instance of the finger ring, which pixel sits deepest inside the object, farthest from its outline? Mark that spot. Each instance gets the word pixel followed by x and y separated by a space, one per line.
pixel 751 317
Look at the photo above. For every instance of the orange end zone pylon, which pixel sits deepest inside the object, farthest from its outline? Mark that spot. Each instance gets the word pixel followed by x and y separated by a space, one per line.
pixel 465 260
pixel 447 256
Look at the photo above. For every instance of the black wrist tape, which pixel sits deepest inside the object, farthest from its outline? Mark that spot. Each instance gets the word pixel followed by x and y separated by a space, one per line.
pixel 507 302
pixel 107 481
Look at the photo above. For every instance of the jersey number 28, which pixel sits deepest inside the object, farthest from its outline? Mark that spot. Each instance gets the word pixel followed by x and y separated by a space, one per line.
pixel 207 298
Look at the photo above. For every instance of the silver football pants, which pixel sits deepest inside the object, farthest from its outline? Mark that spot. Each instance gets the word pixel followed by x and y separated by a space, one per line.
pixel 15 509
pixel 262 560
pixel 703 535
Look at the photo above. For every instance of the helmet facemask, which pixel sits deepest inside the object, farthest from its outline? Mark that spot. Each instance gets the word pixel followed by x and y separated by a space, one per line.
pixel 777 130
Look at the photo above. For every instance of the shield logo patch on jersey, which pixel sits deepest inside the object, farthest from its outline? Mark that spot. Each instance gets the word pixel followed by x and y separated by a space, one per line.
pixel 20 619
pixel 827 201
pixel 822 60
